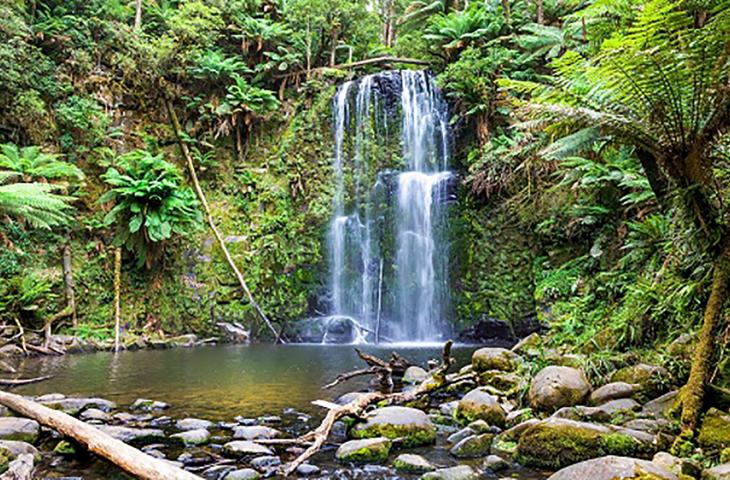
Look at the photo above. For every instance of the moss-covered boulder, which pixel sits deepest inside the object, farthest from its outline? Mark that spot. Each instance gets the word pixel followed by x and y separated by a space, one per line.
pixel 507 382
pixel 474 446
pixel 720 472
pixel 715 431
pixel 480 405
pixel 530 346
pixel 20 429
pixel 410 424
pixel 414 374
pixel 556 443
pixel 410 463
pixel 367 450
pixel 652 380
pixel 555 387
pixel 494 359
pixel 612 468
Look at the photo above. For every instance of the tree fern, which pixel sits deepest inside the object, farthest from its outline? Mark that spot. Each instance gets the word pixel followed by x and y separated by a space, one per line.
pixel 35 203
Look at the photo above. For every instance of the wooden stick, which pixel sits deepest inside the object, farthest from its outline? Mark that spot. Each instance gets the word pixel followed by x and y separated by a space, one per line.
pixel 209 217
pixel 127 458
pixel 23 381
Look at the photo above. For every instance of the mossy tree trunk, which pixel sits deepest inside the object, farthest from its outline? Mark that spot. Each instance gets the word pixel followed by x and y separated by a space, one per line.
pixel 693 393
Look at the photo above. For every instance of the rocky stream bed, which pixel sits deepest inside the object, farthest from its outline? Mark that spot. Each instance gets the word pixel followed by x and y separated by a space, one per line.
pixel 503 423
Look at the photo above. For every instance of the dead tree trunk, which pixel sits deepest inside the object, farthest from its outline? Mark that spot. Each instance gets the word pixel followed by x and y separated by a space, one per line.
pixel 127 458
pixel 211 223
pixel 138 14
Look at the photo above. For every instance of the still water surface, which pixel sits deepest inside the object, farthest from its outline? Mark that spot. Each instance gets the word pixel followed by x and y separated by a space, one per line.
pixel 217 383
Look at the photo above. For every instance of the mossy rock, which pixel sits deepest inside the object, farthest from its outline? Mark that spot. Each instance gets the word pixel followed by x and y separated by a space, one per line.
pixel 460 472
pixel 651 379
pixel 65 448
pixel 507 382
pixel 4 461
pixel 613 467
pixel 20 429
pixel 410 424
pixel 480 405
pixel 557 443
pixel 367 450
pixel 410 463
pixel 715 431
pixel 555 387
pixel 495 359
pixel 474 446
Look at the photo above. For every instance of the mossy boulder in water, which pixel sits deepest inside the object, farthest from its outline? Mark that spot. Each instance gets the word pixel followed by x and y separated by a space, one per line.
pixel 494 359
pixel 21 429
pixel 555 387
pixel 651 379
pixel 480 405
pixel 612 468
pixel 557 442
pixel 715 431
pixel 367 450
pixel 411 424
pixel 473 446
pixel 410 463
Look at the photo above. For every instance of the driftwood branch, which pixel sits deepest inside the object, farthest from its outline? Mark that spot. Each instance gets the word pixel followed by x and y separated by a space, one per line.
pixel 23 381
pixel 435 381
pixel 127 458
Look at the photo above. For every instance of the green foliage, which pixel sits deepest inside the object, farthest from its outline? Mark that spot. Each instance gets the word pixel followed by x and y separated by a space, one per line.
pixel 31 163
pixel 150 204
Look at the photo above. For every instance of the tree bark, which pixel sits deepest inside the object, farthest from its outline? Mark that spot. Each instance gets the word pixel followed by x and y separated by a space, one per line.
pixel 128 458
pixel 138 14
pixel 693 393
pixel 117 295
pixel 657 179
pixel 540 11
pixel 68 280
pixel 211 223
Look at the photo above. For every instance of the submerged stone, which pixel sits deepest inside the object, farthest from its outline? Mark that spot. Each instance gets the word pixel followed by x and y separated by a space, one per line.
pixel 460 472
pixel 243 474
pixel 410 424
pixel 137 436
pixel 147 404
pixel 367 450
pixel 240 448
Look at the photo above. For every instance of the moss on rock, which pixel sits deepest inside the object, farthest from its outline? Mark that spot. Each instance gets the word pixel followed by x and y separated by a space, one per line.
pixel 715 431
pixel 368 450
pixel 411 424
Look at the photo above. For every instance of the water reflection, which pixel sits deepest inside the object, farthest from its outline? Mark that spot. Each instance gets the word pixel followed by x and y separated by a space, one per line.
pixel 217 383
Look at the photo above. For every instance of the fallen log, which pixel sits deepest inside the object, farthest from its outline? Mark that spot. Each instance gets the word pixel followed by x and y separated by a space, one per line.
pixel 22 381
pixel 435 381
pixel 115 451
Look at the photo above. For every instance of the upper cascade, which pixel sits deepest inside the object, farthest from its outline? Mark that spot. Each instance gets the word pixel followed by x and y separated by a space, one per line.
pixel 388 236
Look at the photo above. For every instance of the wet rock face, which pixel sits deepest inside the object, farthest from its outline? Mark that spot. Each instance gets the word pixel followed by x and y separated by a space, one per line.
pixel 367 450
pixel 612 467
pixel 555 387
pixel 413 425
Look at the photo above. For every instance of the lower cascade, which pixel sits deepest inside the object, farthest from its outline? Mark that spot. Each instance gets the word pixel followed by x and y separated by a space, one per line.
pixel 388 240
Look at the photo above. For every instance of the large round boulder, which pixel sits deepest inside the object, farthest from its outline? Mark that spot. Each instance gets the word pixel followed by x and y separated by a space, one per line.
pixel 480 405
pixel 555 387
pixel 611 468
pixel 612 391
pixel 410 424
pixel 490 358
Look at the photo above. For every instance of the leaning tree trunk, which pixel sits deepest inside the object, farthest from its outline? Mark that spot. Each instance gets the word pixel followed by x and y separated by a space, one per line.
pixel 117 295
pixel 138 14
pixel 211 223
pixel 68 280
pixel 693 393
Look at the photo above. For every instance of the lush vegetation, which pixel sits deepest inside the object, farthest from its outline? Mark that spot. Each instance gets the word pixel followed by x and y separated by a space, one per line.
pixel 592 137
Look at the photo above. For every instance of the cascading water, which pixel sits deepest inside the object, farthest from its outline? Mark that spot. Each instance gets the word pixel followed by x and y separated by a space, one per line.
pixel 388 251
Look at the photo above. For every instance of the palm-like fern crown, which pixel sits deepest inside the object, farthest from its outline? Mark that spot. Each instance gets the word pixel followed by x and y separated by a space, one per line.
pixel 663 86
pixel 32 163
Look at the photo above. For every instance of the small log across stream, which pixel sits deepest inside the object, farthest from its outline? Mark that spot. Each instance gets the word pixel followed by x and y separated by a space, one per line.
pixel 117 452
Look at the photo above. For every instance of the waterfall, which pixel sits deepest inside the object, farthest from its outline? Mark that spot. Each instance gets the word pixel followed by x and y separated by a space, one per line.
pixel 387 243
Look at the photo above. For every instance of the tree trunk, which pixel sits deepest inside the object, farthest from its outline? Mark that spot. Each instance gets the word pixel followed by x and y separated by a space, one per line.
pixel 693 393
pixel 117 295
pixel 128 458
pixel 657 179
pixel 507 11
pixel 68 280
pixel 211 223
pixel 138 14
pixel 540 11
